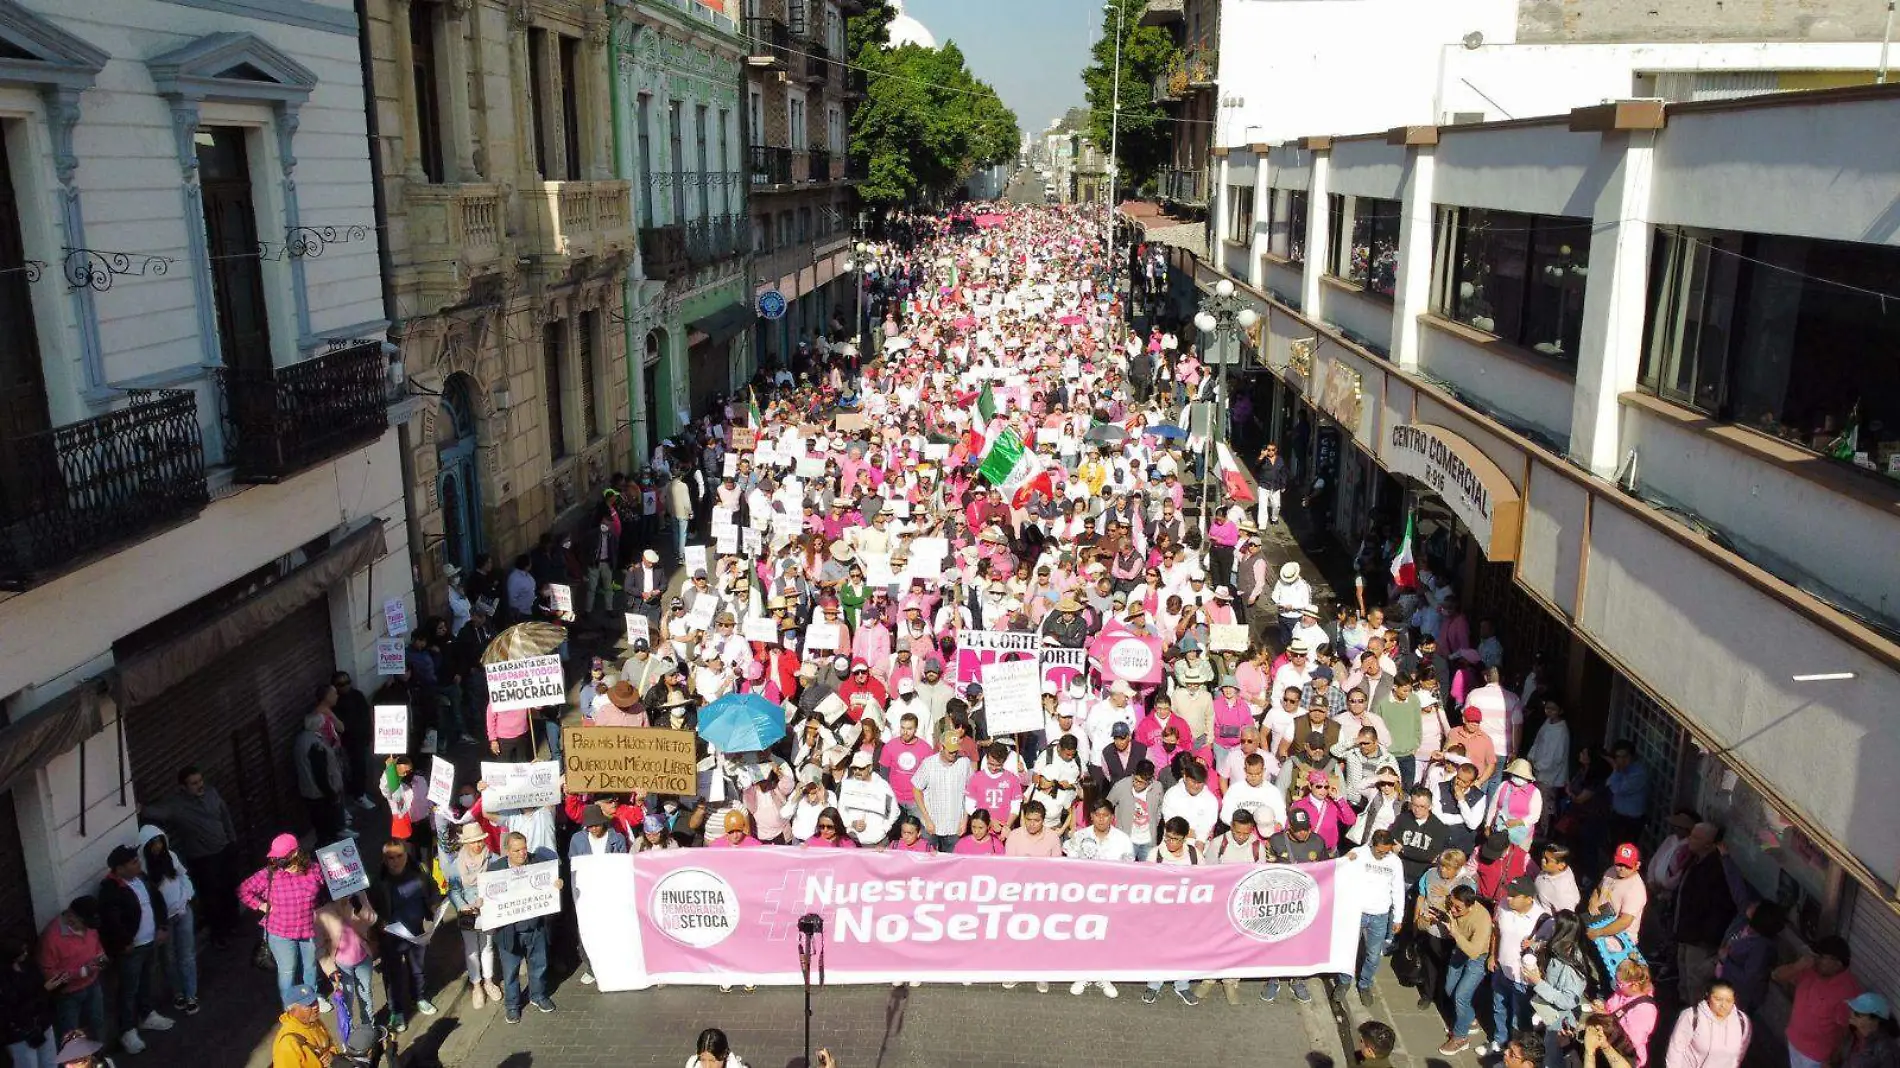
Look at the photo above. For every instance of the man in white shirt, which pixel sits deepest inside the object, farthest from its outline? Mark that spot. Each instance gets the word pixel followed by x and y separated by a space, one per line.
pixel 1115 708
pixel 1376 878
pixel 1297 672
pixel 1282 720
pixel 1057 779
pixel 1255 797
pixel 1234 768
pixel 1550 755
pixel 869 806
pixel 1308 630
pixel 1516 920
pixel 1101 839
pixel 1191 800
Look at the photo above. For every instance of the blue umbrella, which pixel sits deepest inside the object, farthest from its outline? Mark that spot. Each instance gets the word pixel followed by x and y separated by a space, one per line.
pixel 742 723
pixel 1166 430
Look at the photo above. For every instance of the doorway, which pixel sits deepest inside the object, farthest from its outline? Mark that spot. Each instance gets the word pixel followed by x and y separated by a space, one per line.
pixel 458 485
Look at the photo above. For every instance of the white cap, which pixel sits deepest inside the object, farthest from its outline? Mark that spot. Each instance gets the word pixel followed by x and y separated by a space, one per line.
pixel 861 759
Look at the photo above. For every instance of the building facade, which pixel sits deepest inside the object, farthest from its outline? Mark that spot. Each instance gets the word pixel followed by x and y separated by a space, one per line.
pixel 679 139
pixel 511 240
pixel 1618 364
pixel 201 493
pixel 800 95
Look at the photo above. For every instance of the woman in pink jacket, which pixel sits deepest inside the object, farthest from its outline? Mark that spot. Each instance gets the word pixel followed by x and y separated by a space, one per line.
pixel 1712 1033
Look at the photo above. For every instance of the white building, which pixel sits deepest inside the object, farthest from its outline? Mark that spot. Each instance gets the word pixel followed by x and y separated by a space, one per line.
pixel 200 494
pixel 1633 368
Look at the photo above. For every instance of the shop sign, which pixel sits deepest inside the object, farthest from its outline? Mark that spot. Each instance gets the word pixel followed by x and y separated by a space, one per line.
pixel 1475 488
pixel 1339 394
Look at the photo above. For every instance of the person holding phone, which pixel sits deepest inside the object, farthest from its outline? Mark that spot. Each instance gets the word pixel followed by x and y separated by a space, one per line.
pixel 71 956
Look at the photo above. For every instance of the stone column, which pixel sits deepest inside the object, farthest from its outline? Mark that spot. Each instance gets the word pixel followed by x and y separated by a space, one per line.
pixel 406 91
pixel 1616 295
pixel 1412 295
pixel 1318 222
pixel 455 59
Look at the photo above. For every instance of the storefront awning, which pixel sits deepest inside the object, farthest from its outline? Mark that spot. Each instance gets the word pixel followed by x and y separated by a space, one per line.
pixel 32 741
pixel 1191 236
pixel 720 326
pixel 151 673
pixel 1474 487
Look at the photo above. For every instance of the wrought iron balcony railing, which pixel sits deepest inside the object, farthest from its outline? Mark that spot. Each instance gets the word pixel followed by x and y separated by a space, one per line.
pixel 663 252
pixel 818 164
pixel 76 490
pixel 817 60
pixel 288 419
pixel 716 238
pixel 770 164
pixel 768 42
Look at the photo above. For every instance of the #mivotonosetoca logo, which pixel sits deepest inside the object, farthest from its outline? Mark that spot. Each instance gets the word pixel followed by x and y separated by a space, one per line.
pixel 1274 904
pixel 695 907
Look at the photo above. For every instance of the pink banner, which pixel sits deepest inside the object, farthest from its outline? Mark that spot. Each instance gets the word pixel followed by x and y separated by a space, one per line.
pixel 726 916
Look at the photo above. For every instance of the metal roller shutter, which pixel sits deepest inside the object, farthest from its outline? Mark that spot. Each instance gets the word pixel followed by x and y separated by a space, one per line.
pixel 16 897
pixel 1872 930
pixel 235 719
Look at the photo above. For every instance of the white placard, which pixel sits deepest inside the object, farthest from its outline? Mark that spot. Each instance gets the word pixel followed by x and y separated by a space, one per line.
pixel 722 517
pixel 392 730
pixel 937 450
pixel 729 467
pixel 695 557
pixel 530 682
pixel 785 528
pixel 855 795
pixel 761 629
pixel 877 569
pixel 765 457
pixel 510 895
pixel 1012 696
pixel 701 616
pixel 562 599
pixel 639 628
pixel 396 617
pixel 391 657
pixel 898 509
pixel 822 637
pixel 441 781
pixel 1228 637
pixel 929 549
pixel 726 542
pixel 342 868
pixel 526 785
pixel 752 542
pixel 811 467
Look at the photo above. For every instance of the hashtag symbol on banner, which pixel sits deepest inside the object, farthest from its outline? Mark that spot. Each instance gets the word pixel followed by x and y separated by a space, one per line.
pixel 780 917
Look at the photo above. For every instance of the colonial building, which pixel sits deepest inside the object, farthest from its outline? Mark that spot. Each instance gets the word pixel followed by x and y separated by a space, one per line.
pixel 678 123
pixel 800 93
pixel 201 497
pixel 510 241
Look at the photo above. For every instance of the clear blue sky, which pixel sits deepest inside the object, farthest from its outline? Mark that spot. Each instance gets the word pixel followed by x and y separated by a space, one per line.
pixel 1032 51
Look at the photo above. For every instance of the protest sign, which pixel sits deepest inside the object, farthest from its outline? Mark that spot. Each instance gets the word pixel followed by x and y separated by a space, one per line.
pixel 744 439
pixel 977 648
pixel 391 657
pixel 619 760
pixel 526 785
pixel 1061 665
pixel 342 868
pixel 530 682
pixel 510 895
pixel 392 730
pixel 858 796
pixel 1227 637
pixel 1129 657
pixel 695 559
pixel 441 781
pixel 702 613
pixel 849 422
pixel 726 542
pixel 561 597
pixel 396 617
pixel 822 637
pixel 751 543
pixel 811 467
pixel 729 467
pixel 639 628
pixel 1012 695
pixel 761 629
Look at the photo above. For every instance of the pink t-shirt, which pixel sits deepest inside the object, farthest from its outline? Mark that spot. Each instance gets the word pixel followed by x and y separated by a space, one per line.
pixel 1001 793
pixel 921 845
pixel 989 847
pixel 1021 843
pixel 840 842
pixel 900 760
pixel 722 842
pixel 1819 1020
pixel 1629 898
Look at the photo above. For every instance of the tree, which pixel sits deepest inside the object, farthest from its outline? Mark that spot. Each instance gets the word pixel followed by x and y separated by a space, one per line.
pixel 1142 139
pixel 926 122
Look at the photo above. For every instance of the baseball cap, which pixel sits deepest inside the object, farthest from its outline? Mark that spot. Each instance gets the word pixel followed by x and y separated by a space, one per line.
pixel 282 846
pixel 1627 855
pixel 1522 886
pixel 861 759
pixel 1299 820
pixel 1473 713
pixel 1871 1004
pixel 905 685
pixel 304 994
pixel 1119 730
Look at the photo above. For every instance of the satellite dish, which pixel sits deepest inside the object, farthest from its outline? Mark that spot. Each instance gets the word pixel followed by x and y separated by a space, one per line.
pixel 1474 39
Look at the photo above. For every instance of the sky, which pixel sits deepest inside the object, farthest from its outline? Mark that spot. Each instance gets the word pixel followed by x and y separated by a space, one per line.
pixel 1032 51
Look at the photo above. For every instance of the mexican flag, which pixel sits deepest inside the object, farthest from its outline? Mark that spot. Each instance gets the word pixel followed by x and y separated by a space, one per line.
pixel 1404 568
pixel 1007 464
pixel 1847 443
pixel 1236 479
pixel 986 404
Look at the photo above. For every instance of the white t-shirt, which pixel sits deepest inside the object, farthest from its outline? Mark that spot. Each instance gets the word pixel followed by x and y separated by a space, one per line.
pixel 1513 928
pixel 1265 801
pixel 1085 844
pixel 1201 810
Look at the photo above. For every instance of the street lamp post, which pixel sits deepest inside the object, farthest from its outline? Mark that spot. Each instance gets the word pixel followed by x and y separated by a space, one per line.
pixel 1114 127
pixel 1224 316
pixel 858 267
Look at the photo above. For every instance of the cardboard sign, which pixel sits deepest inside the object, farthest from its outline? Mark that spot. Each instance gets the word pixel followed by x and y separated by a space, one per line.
pixel 1012 694
pixel 441 781
pixel 392 730
pixel 530 682
pixel 391 657
pixel 396 617
pixel 760 629
pixel 855 795
pixel 562 598
pixel 510 895
pixel 695 560
pixel 744 439
pixel 527 785
pixel 849 421
pixel 822 637
pixel 618 760
pixel 1227 637
pixel 342 868
pixel 639 628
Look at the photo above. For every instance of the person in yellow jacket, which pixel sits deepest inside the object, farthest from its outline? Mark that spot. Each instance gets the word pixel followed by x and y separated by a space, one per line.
pixel 302 1039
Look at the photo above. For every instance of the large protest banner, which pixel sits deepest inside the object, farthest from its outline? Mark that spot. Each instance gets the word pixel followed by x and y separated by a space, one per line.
pixel 620 760
pixel 721 916
pixel 977 649
pixel 530 682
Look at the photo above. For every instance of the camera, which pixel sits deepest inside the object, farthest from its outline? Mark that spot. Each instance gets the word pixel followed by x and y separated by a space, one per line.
pixel 811 925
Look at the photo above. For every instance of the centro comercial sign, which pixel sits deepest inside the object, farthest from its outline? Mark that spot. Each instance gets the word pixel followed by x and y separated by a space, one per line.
pixel 1474 487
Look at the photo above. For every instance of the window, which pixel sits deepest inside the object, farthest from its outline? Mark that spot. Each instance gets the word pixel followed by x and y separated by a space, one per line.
pixel 646 160
pixel 1241 229
pixel 428 102
pixel 720 142
pixel 1335 234
pixel 553 352
pixel 237 275
pixel 762 233
pixel 537 99
pixel 676 143
pixel 1787 335
pixel 834 128
pixel 699 137
pixel 1296 226
pixel 795 115
pixel 22 375
pixel 1372 258
pixel 755 116
pixel 571 105
pixel 804 225
pixel 1520 277
pixel 784 228
pixel 590 411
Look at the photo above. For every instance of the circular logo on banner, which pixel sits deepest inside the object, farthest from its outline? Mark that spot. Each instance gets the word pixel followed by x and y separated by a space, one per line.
pixel 1274 904
pixel 694 907
pixel 1131 659
pixel 772 304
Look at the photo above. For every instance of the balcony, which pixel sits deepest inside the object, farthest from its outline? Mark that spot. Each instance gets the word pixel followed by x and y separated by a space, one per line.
pixel 663 252
pixel 1162 12
pixel 456 233
pixel 1202 64
pixel 855 84
pixel 769 165
pixel 817 61
pixel 818 165
pixel 69 493
pixel 1186 186
pixel 716 238
pixel 569 220
pixel 768 44
pixel 1164 88
pixel 289 419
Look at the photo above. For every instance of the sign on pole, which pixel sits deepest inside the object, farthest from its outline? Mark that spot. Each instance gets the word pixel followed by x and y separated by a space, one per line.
pixel 342 868
pixel 530 682
pixel 619 760
pixel 639 628
pixel 396 617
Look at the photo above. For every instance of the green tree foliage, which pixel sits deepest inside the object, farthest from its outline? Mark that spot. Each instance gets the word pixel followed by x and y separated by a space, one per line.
pixel 926 122
pixel 1146 51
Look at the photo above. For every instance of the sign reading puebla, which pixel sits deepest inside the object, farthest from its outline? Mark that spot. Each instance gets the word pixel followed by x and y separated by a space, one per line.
pixel 1475 489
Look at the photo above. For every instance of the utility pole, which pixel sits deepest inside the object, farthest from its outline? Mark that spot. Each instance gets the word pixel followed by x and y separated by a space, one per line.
pixel 1114 127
